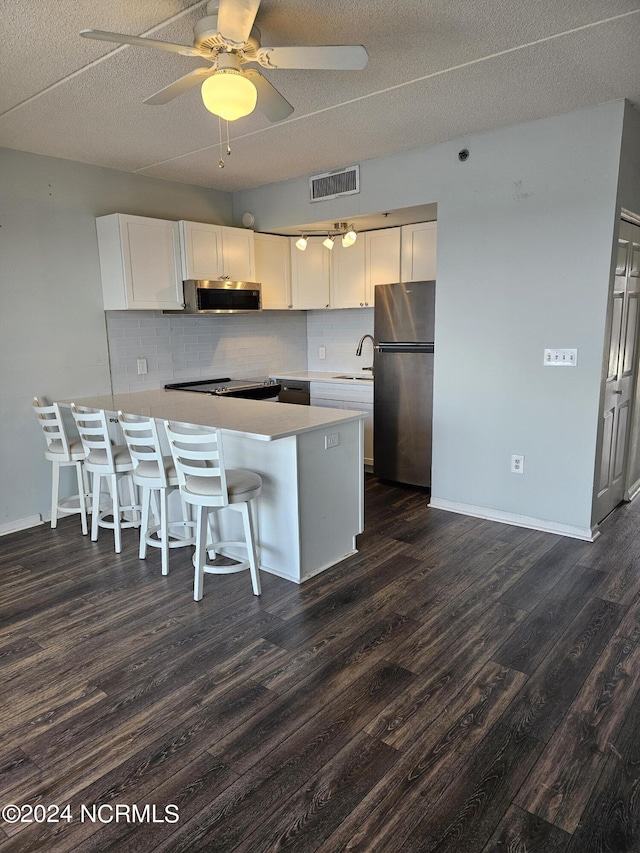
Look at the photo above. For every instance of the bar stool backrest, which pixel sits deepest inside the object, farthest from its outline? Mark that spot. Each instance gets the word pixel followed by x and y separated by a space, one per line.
pixel 143 440
pixel 199 463
pixel 53 428
pixel 94 434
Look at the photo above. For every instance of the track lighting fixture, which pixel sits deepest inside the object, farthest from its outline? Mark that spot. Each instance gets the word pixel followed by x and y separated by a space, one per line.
pixel 349 237
pixel 342 229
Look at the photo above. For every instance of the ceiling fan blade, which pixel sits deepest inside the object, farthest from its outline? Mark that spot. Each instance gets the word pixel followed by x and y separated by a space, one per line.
pixel 235 19
pixel 141 41
pixel 270 102
pixel 343 57
pixel 178 87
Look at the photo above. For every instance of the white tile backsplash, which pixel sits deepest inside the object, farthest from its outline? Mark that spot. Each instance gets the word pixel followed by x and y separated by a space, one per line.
pixel 252 345
pixel 192 347
pixel 339 332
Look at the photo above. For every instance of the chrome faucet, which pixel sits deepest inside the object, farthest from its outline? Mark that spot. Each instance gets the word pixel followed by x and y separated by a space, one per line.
pixel 359 347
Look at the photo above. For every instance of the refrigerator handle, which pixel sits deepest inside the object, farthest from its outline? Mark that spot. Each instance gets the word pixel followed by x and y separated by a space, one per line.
pixel 405 346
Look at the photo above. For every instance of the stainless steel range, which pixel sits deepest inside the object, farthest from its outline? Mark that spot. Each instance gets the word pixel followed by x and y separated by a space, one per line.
pixel 249 389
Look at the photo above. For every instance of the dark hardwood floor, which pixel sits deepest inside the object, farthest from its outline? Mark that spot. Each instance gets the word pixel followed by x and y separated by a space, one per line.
pixel 458 685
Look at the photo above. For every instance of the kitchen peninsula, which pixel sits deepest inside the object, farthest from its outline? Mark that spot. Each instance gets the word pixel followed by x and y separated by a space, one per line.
pixel 310 460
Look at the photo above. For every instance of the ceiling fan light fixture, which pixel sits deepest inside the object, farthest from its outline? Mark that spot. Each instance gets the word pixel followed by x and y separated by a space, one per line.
pixel 229 94
pixel 328 242
pixel 301 243
pixel 349 237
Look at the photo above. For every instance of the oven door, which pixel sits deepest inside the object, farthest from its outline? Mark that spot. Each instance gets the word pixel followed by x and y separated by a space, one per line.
pixel 266 392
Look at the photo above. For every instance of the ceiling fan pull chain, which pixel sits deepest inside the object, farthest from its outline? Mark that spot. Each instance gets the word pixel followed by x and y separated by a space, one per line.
pixel 221 162
pixel 228 146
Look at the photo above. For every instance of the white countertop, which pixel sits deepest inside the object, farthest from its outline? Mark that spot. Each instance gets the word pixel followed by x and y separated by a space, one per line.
pixel 322 376
pixel 258 419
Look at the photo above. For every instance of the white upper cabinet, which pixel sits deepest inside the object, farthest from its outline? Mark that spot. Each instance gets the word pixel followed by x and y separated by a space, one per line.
pixel 273 270
pixel 201 250
pixel 310 274
pixel 238 254
pixel 216 251
pixel 373 259
pixel 139 263
pixel 382 261
pixel 348 275
pixel 419 252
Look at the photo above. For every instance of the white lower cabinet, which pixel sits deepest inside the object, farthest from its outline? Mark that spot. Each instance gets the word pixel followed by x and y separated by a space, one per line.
pixel 333 395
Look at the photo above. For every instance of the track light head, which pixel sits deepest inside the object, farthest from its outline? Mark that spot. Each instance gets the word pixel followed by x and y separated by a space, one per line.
pixel 349 237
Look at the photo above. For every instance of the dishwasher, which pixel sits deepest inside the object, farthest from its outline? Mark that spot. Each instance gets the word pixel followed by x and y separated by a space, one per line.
pixel 294 392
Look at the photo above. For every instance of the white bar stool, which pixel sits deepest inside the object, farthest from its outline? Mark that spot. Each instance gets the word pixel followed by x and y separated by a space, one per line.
pixel 154 474
pixel 108 462
pixel 62 452
pixel 208 487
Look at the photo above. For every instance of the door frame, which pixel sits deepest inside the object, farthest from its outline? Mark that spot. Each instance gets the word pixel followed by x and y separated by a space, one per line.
pixel 632 436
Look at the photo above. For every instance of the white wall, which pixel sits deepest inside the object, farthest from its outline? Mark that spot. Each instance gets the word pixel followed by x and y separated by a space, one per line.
pixel 525 234
pixel 52 325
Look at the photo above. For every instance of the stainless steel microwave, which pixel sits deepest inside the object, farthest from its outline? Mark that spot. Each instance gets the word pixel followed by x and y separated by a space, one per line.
pixel 221 297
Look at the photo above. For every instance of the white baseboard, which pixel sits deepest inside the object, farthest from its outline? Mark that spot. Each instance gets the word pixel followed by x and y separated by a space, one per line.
pixel 20 524
pixel 587 533
pixel 632 491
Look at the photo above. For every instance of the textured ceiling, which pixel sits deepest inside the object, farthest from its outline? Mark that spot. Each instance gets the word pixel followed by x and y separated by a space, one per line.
pixel 437 70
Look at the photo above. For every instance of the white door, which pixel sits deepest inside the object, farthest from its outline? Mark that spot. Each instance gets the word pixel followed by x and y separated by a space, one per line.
pixel 620 378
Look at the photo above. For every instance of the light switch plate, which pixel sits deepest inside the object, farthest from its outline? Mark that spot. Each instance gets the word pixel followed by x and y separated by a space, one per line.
pixel 560 357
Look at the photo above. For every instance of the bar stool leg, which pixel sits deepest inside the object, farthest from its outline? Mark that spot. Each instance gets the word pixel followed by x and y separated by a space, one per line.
pixel 55 491
pixel 164 532
pixel 133 499
pixel 87 488
pixel 95 507
pixel 146 500
pixel 82 496
pixel 115 500
pixel 201 551
pixel 251 547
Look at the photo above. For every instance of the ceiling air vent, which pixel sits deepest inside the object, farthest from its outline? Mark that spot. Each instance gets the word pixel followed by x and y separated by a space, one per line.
pixel 334 184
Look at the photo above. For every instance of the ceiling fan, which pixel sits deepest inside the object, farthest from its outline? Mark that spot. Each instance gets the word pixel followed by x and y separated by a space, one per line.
pixel 227 38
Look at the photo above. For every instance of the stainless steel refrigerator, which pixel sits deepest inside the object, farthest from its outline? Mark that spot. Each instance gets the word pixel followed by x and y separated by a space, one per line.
pixel 403 369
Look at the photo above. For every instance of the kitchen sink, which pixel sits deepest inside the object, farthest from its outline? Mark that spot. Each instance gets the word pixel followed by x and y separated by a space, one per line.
pixel 351 376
